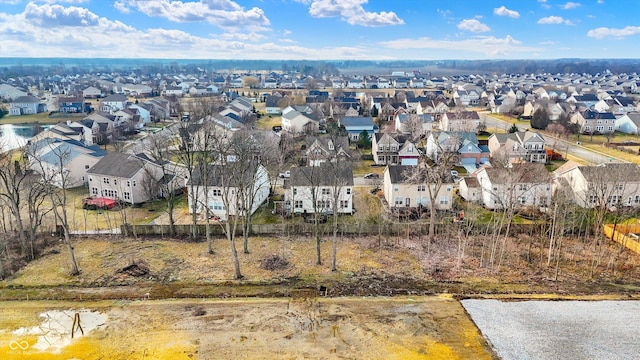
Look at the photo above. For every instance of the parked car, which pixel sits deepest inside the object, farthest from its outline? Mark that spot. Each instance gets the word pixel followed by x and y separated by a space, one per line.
pixel 454 173
pixel 286 174
pixel 372 176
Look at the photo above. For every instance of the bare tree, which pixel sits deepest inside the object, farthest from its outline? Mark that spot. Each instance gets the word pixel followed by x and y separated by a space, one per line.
pixel 54 172
pixel 413 127
pixel 159 150
pixel 434 173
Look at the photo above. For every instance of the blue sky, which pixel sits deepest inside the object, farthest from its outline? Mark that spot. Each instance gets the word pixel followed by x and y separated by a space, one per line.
pixel 321 29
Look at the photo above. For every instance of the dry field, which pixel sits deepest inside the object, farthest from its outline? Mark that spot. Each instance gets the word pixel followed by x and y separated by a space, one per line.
pixel 294 328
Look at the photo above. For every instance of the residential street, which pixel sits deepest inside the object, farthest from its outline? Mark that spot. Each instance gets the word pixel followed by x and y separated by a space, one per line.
pixel 560 145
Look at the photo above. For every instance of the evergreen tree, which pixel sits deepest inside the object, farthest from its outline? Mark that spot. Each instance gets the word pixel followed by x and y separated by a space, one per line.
pixel 364 141
pixel 540 119
pixel 513 129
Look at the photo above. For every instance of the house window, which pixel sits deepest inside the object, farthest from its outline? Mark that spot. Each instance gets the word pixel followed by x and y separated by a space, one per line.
pixel 218 205
pixel 94 191
pixel 105 180
pixel 127 196
pixel 323 204
pixel 325 191
pixel 134 183
pixel 619 187
pixel 449 188
pixel 83 179
pixel 128 183
pixel 297 204
pixel 90 178
pixel 421 188
pixel 522 200
pixel 86 167
pixel 395 187
pixel 444 200
pixel 115 181
pixel 295 191
pixel 398 200
pixel 344 204
pixel 217 192
pixel 592 199
pixel 348 191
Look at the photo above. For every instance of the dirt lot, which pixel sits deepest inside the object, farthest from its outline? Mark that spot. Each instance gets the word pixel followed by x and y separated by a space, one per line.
pixel 296 328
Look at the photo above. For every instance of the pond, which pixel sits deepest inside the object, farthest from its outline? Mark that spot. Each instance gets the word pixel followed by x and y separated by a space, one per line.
pixel 13 136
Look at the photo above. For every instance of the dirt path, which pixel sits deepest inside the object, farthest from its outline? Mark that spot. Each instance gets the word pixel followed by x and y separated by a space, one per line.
pixel 299 327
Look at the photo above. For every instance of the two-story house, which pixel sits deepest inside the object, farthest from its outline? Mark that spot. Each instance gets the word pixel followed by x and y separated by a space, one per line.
pixel 325 184
pixel 113 103
pixel 460 121
pixel 356 125
pixel 394 149
pixel 523 146
pixel 606 185
pixel 410 123
pixel 63 163
pixel 131 178
pixel 516 186
pixel 222 190
pixel 70 105
pixel 594 122
pixel 318 150
pixel 26 105
pixel 298 123
pixel 403 190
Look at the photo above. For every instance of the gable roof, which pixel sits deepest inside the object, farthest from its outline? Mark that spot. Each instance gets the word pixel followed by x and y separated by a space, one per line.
pixel 322 175
pixel 119 165
pixel 519 173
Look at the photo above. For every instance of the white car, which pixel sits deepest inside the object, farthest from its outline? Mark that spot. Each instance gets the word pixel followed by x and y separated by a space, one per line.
pixel 286 174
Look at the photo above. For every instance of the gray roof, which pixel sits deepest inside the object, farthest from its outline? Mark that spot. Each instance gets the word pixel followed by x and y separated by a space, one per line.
pixel 357 121
pixel 118 165
pixel 324 175
pixel 115 97
pixel 519 173
pixel 615 172
pixel 216 172
pixel 26 99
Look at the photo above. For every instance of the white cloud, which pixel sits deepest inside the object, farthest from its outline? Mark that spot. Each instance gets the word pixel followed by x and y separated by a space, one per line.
pixel 473 25
pixel 602 32
pixel 286 32
pixel 571 5
pixel 488 45
pixel 544 4
pixel 78 33
pixel 122 7
pixel 600 1
pixel 503 11
pixel 226 14
pixel 353 12
pixel 554 20
pixel 10 2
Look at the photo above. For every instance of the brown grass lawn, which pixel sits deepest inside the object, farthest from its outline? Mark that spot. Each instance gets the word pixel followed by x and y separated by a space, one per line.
pixel 42 118
pixel 267 121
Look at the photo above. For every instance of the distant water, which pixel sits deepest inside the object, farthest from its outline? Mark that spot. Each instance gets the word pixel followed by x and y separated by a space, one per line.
pixel 13 136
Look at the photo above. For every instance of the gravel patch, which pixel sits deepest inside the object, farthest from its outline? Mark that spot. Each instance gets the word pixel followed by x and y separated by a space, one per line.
pixel 559 329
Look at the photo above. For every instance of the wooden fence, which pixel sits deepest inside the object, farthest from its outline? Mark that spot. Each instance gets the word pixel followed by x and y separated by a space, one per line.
pixel 305 229
pixel 627 235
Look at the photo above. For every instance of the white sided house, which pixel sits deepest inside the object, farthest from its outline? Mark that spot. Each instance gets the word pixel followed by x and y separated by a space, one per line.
pixel 63 163
pixel 222 192
pixel 319 183
pixel 401 192
pixel 517 186
pixel 605 185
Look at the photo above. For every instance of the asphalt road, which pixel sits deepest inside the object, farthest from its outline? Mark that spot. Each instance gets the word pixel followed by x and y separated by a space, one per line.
pixel 559 329
pixel 560 145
